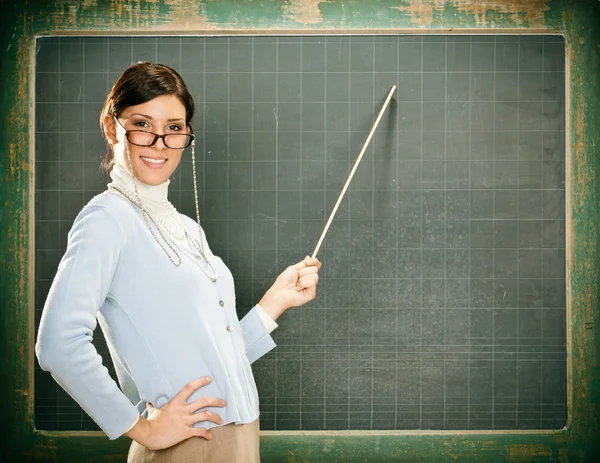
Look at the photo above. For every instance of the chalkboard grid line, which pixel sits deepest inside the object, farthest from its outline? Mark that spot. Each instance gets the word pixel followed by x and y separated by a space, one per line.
pixel 81 415
pixel 421 218
pixel 500 131
pixel 48 102
pixel 180 168
pixel 276 114
pixel 557 280
pixel 397 179
pixel 498 219
pixel 349 214
pixel 445 212
pixel 372 150
pixel 228 193
pixel 518 215
pixel 301 311
pixel 542 274
pixel 494 256
pixel 466 73
pixel 324 222
pixel 203 200
pixel 469 252
pixel 252 290
pixel 58 392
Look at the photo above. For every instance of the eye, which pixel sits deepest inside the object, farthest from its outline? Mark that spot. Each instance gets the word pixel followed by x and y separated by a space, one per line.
pixel 140 124
pixel 175 128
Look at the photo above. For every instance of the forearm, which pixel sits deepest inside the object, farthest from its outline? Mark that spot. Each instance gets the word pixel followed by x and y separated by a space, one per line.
pixel 272 305
pixel 257 339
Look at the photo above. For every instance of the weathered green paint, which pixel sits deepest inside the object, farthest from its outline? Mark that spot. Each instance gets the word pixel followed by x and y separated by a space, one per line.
pixel 314 447
pixel 578 21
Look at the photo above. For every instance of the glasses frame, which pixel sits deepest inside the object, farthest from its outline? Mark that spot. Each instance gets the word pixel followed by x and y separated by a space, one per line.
pixel 190 137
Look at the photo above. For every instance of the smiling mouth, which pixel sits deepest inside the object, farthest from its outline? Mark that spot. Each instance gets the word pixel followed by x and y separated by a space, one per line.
pixel 153 162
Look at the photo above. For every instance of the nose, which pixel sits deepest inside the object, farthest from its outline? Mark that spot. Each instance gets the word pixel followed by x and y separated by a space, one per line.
pixel 160 144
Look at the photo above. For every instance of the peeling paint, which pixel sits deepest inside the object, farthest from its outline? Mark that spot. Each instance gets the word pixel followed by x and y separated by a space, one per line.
pixel 180 18
pixel 519 12
pixel 156 14
pixel 489 445
pixel 303 11
pixel 12 159
pixel 522 451
pixel 421 13
pixel 292 458
pixel 563 456
pixel 46 450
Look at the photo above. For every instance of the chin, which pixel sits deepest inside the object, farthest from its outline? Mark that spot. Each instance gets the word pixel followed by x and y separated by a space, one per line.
pixel 152 177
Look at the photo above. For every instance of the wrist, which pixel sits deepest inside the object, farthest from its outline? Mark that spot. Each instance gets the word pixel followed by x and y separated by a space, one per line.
pixel 272 306
pixel 140 432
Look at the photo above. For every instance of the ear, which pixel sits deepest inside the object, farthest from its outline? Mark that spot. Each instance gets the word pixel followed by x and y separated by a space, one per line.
pixel 110 129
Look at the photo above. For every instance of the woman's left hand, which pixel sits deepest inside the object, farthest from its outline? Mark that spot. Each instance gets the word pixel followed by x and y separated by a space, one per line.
pixel 295 286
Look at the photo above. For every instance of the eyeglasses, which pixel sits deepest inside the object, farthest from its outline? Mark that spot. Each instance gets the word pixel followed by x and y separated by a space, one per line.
pixel 145 138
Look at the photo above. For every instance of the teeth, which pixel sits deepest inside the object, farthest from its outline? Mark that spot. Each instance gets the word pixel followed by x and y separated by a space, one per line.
pixel 154 161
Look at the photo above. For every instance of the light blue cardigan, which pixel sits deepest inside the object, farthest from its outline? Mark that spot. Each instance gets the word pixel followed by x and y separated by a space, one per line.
pixel 164 325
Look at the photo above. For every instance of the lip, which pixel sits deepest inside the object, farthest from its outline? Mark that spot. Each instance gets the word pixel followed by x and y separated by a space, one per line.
pixel 153 165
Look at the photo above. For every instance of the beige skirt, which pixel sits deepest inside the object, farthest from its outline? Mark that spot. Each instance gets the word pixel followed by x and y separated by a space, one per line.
pixel 231 443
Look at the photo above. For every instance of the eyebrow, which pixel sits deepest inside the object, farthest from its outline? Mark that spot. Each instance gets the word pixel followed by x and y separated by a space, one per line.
pixel 149 117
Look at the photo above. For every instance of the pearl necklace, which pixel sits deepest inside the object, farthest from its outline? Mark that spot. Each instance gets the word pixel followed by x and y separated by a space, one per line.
pixel 201 260
pixel 178 234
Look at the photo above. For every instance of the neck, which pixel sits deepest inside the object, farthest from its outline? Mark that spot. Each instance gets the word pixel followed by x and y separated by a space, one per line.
pixel 150 195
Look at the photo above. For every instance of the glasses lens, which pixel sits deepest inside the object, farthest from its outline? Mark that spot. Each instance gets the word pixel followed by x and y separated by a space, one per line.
pixel 141 138
pixel 173 141
pixel 178 140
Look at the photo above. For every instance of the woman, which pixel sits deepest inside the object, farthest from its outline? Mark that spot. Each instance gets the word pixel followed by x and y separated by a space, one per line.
pixel 165 303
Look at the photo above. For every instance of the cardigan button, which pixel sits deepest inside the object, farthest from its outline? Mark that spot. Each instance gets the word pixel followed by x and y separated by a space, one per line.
pixel 221 303
pixel 229 328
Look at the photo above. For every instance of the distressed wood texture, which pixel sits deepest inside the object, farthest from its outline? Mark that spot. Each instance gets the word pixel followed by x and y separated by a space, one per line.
pixel 578 21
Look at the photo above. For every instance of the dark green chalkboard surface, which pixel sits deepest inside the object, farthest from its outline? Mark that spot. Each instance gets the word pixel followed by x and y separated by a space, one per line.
pixel 442 298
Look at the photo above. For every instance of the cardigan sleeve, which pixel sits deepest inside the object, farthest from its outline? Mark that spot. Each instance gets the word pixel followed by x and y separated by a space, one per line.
pixel 64 344
pixel 257 337
pixel 269 323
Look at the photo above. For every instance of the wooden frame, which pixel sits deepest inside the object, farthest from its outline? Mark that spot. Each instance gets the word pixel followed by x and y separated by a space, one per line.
pixel 576 20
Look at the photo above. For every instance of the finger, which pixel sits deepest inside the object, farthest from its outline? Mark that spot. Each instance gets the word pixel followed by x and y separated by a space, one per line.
pixel 306 262
pixel 206 415
pixel 313 261
pixel 200 432
pixel 300 265
pixel 186 391
pixel 307 271
pixel 308 281
pixel 203 402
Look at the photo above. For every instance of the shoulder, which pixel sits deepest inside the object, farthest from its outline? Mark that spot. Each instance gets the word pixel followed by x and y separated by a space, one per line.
pixel 111 202
pixel 106 215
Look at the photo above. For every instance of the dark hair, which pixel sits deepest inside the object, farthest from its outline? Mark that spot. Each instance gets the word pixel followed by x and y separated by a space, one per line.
pixel 139 83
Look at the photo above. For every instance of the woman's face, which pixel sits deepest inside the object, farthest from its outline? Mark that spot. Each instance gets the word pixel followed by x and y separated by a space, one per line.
pixel 154 164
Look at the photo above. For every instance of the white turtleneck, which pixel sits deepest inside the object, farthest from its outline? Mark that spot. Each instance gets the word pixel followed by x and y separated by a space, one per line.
pixel 156 202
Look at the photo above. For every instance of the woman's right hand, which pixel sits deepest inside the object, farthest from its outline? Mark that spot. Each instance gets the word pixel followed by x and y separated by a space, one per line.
pixel 173 422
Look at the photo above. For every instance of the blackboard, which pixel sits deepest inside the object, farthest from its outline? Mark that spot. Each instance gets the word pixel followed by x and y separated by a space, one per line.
pixel 442 298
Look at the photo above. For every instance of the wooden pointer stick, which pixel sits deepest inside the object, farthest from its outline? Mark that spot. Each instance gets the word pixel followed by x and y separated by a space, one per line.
pixel 337 204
